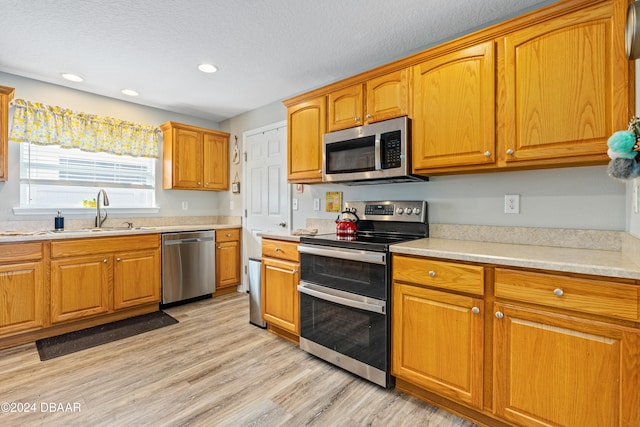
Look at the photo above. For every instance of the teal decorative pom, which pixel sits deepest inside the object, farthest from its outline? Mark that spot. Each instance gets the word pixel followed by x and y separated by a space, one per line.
pixel 621 145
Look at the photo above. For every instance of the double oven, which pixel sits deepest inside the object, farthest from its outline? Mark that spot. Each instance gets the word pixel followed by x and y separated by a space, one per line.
pixel 345 287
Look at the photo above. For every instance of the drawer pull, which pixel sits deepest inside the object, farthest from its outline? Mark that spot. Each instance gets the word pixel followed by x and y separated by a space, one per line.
pixel 499 314
pixel 475 310
pixel 432 273
pixel 558 292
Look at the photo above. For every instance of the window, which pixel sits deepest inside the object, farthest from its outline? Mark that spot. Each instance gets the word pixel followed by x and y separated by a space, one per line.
pixel 55 177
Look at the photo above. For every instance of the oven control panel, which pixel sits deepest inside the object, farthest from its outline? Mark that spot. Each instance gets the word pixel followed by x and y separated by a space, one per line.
pixel 405 211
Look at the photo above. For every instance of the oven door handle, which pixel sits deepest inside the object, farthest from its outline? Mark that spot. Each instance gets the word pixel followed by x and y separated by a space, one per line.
pixel 342 298
pixel 351 255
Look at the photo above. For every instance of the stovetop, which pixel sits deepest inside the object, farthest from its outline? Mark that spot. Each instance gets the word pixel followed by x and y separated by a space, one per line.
pixel 380 224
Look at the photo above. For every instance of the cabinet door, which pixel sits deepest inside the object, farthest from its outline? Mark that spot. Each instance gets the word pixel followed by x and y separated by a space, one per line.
pixel 566 88
pixel 437 342
pixel 21 297
pixel 187 166
pixel 345 108
pixel 558 370
pixel 215 167
pixel 307 124
pixel 280 299
pixel 136 278
pixel 79 287
pixel 454 110
pixel 387 96
pixel 227 264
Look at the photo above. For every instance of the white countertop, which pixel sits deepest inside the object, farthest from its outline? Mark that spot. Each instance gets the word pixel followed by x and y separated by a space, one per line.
pixel 24 236
pixel 278 235
pixel 584 261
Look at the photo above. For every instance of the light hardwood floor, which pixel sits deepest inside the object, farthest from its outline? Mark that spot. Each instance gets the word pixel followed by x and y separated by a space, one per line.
pixel 211 369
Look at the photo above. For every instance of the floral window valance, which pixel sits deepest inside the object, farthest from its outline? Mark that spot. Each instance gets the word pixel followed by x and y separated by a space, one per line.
pixel 47 125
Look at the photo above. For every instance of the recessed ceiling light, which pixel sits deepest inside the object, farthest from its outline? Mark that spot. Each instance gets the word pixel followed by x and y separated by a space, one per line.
pixel 207 68
pixel 72 77
pixel 130 92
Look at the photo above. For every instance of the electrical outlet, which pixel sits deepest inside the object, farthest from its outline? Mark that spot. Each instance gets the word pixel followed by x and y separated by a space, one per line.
pixel 294 204
pixel 512 203
pixel 316 204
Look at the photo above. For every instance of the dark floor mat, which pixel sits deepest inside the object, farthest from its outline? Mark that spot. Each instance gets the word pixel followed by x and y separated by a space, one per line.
pixel 50 348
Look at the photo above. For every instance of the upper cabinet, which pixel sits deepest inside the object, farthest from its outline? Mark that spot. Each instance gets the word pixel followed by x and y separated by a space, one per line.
pixel 380 98
pixel 307 123
pixel 565 88
pixel 454 104
pixel 545 89
pixel 6 95
pixel 194 158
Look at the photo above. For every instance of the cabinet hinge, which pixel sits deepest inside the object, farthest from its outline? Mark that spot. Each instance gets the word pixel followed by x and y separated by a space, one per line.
pixel 245 156
pixel 245 213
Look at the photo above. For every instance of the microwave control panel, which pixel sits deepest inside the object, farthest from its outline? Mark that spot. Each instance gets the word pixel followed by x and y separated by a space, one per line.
pixel 391 150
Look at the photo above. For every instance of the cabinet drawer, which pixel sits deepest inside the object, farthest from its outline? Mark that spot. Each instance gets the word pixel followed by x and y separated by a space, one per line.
pixel 585 295
pixel 439 274
pixel 227 235
pixel 14 252
pixel 280 249
pixel 98 245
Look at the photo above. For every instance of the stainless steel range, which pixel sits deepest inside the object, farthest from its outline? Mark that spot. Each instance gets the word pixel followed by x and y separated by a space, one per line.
pixel 345 287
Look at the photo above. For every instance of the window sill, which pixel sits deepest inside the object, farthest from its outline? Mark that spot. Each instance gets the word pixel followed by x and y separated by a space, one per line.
pixel 18 211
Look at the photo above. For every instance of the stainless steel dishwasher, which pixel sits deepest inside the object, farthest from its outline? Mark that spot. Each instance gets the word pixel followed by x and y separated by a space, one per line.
pixel 188 265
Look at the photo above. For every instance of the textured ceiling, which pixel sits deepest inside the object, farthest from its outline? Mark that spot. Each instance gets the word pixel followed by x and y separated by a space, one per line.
pixel 266 50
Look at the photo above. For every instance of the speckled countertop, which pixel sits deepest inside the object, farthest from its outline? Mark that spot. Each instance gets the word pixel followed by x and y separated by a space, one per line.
pixel 610 263
pixel 24 236
pixel 278 236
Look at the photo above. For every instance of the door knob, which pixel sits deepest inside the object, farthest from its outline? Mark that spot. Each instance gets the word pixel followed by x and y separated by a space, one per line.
pixel 283 224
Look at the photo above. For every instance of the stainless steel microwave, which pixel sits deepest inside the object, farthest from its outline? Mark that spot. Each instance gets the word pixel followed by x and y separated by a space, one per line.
pixel 369 154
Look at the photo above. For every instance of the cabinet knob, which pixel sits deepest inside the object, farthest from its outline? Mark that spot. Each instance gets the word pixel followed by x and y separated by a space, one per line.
pixel 199 183
pixel 475 310
pixel 228 234
pixel 206 184
pixel 295 272
pixel 510 151
pixel 487 153
pixel 432 273
pixel 278 250
pixel 105 260
pixel 118 259
pixel 499 314
pixel 558 292
pixel 357 119
pixel 368 116
pixel 219 247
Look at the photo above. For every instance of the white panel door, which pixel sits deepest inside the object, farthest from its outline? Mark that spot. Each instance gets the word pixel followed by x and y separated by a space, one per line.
pixel 268 194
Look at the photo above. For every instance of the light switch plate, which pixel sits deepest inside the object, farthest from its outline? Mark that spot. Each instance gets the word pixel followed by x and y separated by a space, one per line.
pixel 294 204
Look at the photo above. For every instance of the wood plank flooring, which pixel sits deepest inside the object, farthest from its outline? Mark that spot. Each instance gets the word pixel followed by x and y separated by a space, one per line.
pixel 212 369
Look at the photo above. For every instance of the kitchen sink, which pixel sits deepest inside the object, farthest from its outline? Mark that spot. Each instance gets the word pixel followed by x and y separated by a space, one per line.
pixel 100 229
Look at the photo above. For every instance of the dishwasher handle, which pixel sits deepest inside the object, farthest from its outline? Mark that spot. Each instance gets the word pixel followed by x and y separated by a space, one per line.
pixel 189 240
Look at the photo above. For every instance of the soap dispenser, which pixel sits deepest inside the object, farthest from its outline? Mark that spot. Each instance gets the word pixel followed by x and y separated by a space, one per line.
pixel 59 222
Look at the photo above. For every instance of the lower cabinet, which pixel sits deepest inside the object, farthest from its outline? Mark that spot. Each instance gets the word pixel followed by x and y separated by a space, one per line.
pixel 554 370
pixel 96 276
pixel 228 258
pixel 280 277
pixel 21 288
pixel 554 350
pixel 438 336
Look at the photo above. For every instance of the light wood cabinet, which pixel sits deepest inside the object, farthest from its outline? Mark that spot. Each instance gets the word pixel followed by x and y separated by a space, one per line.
pixel 90 277
pixel 454 110
pixel 22 288
pixel 565 88
pixel 380 98
pixel 438 336
pixel 551 369
pixel 307 122
pixel 228 260
pixel 194 158
pixel 280 277
pixel 6 95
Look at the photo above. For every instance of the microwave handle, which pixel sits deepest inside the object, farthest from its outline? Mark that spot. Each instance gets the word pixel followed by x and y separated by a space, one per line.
pixel 378 154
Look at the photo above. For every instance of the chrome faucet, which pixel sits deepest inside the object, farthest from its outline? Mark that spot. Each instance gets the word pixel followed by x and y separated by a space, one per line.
pixel 100 219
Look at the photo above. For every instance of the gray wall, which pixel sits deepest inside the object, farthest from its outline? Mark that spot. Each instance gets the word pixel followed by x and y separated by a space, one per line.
pixel 583 197
pixel 170 201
